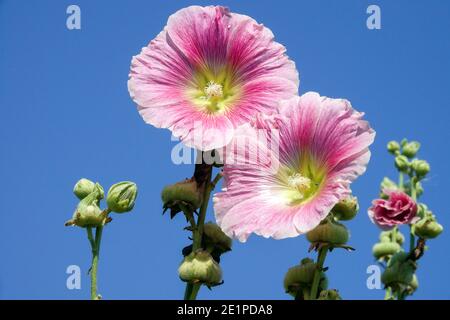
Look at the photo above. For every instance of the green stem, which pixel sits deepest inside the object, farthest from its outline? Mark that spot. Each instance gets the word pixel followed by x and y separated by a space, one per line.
pixel 95 258
pixel 319 267
pixel 388 294
pixel 95 246
pixel 90 237
pixel 412 239
pixel 193 289
pixel 400 180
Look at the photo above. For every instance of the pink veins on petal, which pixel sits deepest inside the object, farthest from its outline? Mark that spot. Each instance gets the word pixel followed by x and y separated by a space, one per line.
pixel 286 191
pixel 208 72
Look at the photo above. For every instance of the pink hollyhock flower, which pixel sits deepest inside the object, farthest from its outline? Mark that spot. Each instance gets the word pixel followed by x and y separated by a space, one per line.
pixel 286 185
pixel 208 72
pixel 399 208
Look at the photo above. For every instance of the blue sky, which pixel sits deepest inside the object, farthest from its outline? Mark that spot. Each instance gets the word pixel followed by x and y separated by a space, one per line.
pixel 66 114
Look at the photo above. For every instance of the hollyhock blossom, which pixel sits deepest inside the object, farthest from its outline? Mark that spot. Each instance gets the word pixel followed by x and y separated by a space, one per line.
pixel 399 208
pixel 293 167
pixel 208 72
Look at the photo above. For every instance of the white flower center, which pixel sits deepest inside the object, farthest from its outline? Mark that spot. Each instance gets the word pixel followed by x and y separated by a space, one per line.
pixel 213 90
pixel 301 183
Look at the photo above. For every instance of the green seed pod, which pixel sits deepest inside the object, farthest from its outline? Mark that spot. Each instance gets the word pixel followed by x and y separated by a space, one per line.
pixel 83 188
pixel 215 238
pixel 428 228
pixel 330 294
pixel 300 277
pixel 393 146
pixel 346 209
pixel 184 193
pixel 386 236
pixel 385 249
pixel 400 270
pixel 122 196
pixel 402 163
pixel 410 149
pixel 200 267
pixel 331 232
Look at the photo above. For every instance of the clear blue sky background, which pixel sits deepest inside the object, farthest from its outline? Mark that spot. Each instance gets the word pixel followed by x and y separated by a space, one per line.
pixel 66 114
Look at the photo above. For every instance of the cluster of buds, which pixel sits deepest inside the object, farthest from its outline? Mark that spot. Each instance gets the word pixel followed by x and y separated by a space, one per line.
pixel 398 206
pixel 120 198
pixel 405 161
pixel 299 279
pixel 199 266
pixel 329 234
pixel 400 274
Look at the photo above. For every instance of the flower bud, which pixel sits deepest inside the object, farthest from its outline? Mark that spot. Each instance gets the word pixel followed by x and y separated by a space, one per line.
pixel 121 196
pixel 331 232
pixel 215 238
pixel 400 271
pixel 387 184
pixel 410 149
pixel 393 147
pixel 330 294
pixel 200 267
pixel 83 188
pixel 386 236
pixel 385 249
pixel 346 209
pixel 421 167
pixel 402 163
pixel 184 193
pixel 300 277
pixel 428 227
pixel 88 212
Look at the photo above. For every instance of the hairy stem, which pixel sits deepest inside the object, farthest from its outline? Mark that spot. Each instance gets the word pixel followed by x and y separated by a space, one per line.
pixel 319 267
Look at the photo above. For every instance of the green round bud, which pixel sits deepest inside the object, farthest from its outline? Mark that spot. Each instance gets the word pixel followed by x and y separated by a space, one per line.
pixel 215 238
pixel 300 277
pixel 185 192
pixel 393 146
pixel 331 232
pixel 83 188
pixel 88 212
pixel 410 149
pixel 402 163
pixel 403 142
pixel 385 249
pixel 346 209
pixel 200 267
pixel 421 167
pixel 122 196
pixel 386 236
pixel 428 228
pixel 400 270
pixel 330 294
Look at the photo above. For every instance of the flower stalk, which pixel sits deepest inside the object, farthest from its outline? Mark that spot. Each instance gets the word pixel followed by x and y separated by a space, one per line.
pixel 322 254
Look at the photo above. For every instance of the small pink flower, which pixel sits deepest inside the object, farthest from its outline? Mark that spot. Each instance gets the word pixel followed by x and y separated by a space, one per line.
pixel 398 209
pixel 208 72
pixel 282 185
